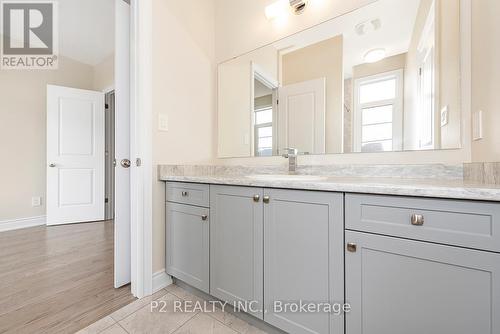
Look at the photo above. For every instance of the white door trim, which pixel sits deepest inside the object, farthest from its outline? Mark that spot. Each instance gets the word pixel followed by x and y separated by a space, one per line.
pixel 141 147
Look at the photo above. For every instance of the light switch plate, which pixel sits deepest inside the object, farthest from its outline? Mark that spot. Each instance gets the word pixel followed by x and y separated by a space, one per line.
pixel 163 122
pixel 445 116
pixel 36 201
pixel 477 125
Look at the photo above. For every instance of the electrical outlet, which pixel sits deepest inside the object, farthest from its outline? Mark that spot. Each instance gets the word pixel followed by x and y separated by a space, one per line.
pixel 163 122
pixel 36 201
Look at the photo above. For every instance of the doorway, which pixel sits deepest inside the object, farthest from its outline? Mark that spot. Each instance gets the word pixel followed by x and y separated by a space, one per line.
pixel 109 190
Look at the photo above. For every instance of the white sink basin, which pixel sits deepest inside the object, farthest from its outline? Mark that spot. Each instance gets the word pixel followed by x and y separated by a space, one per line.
pixel 281 177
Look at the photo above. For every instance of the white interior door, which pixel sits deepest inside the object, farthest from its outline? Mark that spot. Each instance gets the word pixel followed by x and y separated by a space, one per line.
pixel 75 155
pixel 122 145
pixel 301 116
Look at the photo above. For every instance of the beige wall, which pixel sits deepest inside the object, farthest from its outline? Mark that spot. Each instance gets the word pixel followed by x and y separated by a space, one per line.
pixel 388 64
pixel 184 89
pixel 23 133
pixel 104 74
pixel 321 60
pixel 449 71
pixel 486 78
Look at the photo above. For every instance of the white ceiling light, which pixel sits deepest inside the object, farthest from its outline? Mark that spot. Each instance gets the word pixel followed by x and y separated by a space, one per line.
pixel 375 55
pixel 282 8
pixel 278 9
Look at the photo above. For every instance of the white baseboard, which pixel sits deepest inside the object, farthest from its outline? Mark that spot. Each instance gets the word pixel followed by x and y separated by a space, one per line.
pixel 16 224
pixel 161 280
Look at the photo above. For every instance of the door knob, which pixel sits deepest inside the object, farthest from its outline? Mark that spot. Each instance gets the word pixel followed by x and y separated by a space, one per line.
pixel 125 163
pixel 52 165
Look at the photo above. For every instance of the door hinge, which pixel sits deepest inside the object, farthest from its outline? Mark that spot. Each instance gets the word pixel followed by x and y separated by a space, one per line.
pixel 106 106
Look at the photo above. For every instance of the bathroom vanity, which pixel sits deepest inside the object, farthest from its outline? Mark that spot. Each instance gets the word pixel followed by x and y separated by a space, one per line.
pixel 409 254
pixel 404 264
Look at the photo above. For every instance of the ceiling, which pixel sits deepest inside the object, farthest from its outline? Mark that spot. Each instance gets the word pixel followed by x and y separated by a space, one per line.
pixel 260 89
pixel 86 30
pixel 397 20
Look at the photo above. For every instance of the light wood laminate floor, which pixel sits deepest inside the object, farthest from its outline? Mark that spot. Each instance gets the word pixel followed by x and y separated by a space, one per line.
pixel 58 279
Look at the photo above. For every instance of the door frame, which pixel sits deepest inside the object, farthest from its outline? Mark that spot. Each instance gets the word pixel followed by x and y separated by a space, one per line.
pixel 141 175
pixel 109 180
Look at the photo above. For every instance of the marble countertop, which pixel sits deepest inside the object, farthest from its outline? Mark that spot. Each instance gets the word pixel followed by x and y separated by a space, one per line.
pixel 436 188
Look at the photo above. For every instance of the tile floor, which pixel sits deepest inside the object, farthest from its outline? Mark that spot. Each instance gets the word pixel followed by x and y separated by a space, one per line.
pixel 137 317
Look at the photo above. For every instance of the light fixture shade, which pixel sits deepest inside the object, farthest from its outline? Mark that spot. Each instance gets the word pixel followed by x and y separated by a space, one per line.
pixel 277 9
pixel 375 55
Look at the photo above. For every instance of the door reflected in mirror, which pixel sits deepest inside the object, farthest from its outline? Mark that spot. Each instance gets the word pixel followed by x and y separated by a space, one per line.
pixel 383 78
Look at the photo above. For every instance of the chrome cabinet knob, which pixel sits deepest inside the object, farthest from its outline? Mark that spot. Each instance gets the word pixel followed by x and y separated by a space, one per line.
pixel 184 194
pixel 417 220
pixel 352 247
pixel 266 199
pixel 256 198
pixel 125 163
pixel 52 165
pixel 204 217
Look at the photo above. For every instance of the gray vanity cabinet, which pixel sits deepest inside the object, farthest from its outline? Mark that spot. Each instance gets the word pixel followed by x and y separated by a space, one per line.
pixel 187 235
pixel 303 257
pixel 416 265
pixel 399 286
pixel 236 246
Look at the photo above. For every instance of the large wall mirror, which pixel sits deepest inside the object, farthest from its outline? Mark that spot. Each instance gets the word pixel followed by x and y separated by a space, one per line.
pixel 385 77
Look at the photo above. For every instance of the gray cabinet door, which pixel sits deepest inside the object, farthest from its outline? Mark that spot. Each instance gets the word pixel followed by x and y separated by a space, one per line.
pixel 236 246
pixel 303 258
pixel 399 286
pixel 187 244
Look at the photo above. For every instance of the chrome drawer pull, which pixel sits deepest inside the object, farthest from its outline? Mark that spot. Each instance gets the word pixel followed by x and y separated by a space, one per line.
pixel 352 247
pixel 417 220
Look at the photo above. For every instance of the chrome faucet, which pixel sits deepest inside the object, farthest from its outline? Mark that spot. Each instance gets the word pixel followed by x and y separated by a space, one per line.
pixel 291 155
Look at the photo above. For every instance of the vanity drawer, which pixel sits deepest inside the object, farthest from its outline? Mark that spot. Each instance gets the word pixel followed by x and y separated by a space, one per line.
pixel 452 222
pixel 188 193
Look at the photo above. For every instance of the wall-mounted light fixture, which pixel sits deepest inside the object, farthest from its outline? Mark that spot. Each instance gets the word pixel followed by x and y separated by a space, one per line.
pixel 375 55
pixel 281 8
